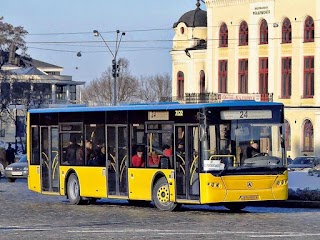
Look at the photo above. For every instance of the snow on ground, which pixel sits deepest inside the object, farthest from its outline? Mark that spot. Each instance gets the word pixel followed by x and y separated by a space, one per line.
pixel 301 179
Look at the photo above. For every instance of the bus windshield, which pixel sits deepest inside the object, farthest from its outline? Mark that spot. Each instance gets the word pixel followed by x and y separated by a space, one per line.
pixel 243 145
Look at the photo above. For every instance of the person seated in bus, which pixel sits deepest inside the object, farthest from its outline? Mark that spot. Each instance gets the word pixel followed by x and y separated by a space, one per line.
pixel 153 159
pixel 167 150
pixel 96 158
pixel 137 159
pixel 252 150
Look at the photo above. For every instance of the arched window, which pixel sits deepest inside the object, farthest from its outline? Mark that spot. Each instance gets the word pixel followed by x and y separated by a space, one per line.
pixel 264 32
pixel 180 84
pixel 307 136
pixel 286 31
pixel 288 135
pixel 223 36
pixel 202 82
pixel 243 34
pixel 309 30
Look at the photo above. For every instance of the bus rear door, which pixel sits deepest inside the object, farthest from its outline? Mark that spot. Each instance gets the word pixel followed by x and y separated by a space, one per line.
pixel 49 159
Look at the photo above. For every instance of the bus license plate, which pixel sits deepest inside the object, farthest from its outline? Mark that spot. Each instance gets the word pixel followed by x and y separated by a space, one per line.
pixel 249 197
pixel 16 173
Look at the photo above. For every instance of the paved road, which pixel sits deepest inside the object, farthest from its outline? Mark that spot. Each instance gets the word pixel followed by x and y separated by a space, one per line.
pixel 28 215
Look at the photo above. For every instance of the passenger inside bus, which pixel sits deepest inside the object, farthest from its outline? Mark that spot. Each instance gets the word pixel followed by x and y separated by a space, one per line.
pixel 72 153
pixel 137 159
pixel 167 150
pixel 253 149
pixel 153 159
pixel 180 148
pixel 88 149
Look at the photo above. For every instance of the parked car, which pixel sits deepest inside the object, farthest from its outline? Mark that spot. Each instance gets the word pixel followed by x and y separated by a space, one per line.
pixel 315 171
pixel 17 170
pixel 303 162
pixel 1 170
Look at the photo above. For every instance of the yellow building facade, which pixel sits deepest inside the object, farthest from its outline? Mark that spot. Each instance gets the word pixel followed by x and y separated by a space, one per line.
pixel 246 47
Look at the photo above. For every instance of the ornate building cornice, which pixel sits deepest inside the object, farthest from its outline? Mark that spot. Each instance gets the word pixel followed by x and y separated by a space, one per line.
pixel 225 3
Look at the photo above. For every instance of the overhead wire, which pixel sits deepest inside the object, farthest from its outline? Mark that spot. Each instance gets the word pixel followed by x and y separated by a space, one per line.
pixel 145 41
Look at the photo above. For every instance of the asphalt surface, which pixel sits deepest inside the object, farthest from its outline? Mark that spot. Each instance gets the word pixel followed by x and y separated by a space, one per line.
pixel 29 215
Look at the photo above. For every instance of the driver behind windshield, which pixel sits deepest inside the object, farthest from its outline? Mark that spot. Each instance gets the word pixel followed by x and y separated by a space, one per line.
pixel 252 150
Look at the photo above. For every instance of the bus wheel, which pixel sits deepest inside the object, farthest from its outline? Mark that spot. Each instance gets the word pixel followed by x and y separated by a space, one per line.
pixel 161 196
pixel 235 207
pixel 73 190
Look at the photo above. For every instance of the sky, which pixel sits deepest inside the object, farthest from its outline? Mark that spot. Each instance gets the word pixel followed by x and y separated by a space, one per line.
pixel 59 29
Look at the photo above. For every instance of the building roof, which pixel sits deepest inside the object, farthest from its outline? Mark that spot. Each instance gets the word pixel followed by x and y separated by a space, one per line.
pixel 28 71
pixel 194 18
pixel 40 64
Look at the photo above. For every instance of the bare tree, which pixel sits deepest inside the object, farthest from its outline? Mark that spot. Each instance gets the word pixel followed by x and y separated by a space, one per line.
pixel 100 90
pixel 155 88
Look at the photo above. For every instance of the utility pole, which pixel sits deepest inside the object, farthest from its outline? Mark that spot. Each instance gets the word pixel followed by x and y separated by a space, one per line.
pixel 115 65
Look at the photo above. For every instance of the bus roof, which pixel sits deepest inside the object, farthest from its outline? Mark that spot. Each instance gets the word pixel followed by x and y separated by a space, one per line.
pixel 155 106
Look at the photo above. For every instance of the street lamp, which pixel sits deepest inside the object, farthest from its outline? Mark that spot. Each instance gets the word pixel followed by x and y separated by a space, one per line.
pixel 115 66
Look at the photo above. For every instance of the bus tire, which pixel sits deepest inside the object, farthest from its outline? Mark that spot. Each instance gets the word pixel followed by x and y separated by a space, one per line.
pixel 73 190
pixel 161 196
pixel 235 207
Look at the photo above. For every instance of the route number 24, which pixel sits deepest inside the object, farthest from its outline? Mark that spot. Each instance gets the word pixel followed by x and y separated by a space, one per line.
pixel 243 114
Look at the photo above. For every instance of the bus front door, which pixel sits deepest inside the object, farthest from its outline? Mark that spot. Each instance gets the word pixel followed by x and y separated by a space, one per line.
pixel 117 160
pixel 187 162
pixel 49 160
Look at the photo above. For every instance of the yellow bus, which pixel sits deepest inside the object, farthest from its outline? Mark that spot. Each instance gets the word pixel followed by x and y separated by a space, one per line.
pixel 229 153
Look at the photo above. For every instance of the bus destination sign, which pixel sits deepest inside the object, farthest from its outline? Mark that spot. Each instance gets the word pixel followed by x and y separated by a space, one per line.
pixel 158 115
pixel 245 114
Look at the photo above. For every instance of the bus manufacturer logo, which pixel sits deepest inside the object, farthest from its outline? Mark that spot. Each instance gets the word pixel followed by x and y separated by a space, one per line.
pixel 249 184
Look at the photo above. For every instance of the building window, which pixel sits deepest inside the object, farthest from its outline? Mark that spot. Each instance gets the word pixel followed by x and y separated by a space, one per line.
pixel 243 34
pixel 263 75
pixel 61 92
pixel 264 32
pixel 286 31
pixel 309 30
pixel 223 76
pixel 308 84
pixel 223 38
pixel 182 30
pixel 286 77
pixel 288 135
pixel 180 84
pixel 307 136
pixel 202 82
pixel 243 76
pixel 73 92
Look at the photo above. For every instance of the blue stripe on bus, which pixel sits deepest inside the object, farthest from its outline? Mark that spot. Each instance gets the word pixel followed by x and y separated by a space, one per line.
pixel 155 106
